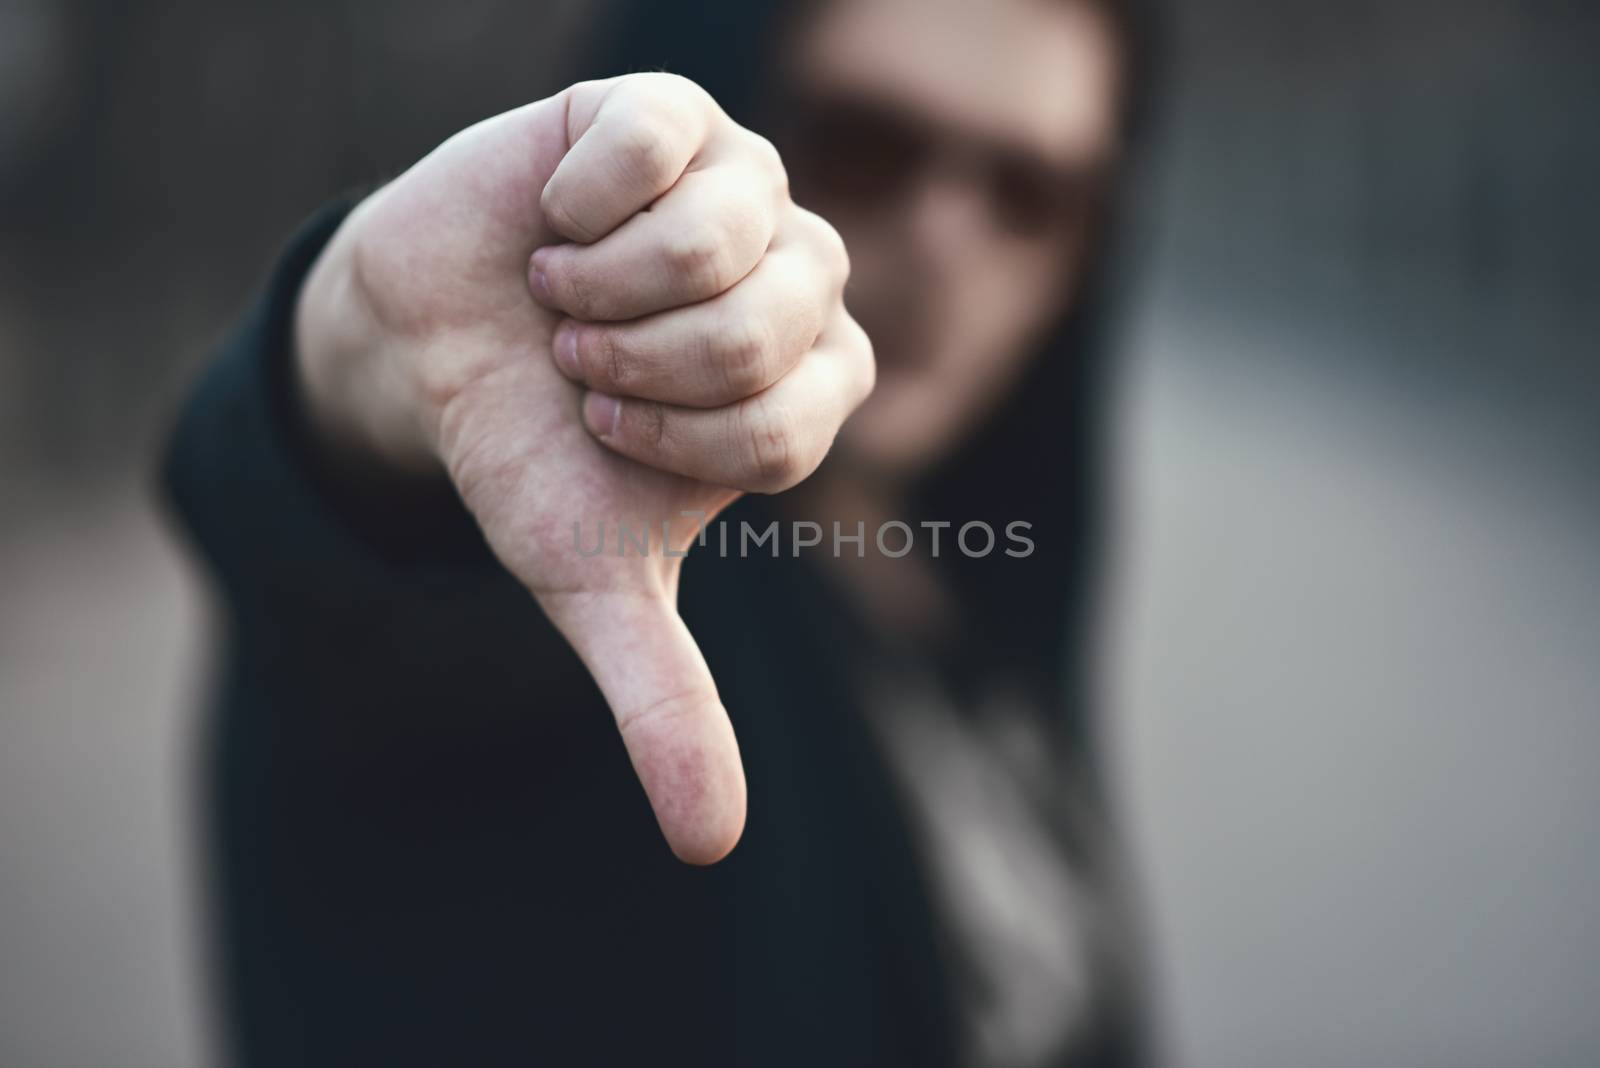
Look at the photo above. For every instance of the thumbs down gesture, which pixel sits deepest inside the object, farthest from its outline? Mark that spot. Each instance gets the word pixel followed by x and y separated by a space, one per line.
pixel 601 309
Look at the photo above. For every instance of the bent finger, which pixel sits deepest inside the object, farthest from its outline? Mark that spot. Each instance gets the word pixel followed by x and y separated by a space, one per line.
pixel 698 240
pixel 766 443
pixel 713 353
pixel 631 139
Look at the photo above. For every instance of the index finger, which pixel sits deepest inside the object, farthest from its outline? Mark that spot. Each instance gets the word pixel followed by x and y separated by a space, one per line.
pixel 631 139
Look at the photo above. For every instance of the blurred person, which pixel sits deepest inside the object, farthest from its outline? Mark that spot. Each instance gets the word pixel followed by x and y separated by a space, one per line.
pixel 603 313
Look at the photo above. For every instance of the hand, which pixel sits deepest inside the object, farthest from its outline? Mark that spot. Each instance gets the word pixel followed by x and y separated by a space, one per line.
pixel 599 308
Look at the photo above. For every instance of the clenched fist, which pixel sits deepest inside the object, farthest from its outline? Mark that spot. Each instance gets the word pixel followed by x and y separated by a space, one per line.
pixel 599 308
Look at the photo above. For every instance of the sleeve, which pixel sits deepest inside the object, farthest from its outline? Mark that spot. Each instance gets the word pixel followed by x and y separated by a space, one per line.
pixel 240 472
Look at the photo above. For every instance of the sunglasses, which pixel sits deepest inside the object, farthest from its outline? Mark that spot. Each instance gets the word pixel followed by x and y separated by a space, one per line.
pixel 870 155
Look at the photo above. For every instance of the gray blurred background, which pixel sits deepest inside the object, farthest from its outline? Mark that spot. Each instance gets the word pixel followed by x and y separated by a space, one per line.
pixel 1352 656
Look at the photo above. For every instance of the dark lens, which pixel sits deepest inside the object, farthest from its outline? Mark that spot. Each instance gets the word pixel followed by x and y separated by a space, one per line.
pixel 1033 198
pixel 853 152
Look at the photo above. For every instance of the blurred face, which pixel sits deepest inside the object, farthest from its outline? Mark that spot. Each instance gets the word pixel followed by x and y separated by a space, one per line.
pixel 960 149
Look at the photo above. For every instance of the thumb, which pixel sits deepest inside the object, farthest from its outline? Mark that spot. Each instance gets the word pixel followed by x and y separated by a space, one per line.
pixel 672 721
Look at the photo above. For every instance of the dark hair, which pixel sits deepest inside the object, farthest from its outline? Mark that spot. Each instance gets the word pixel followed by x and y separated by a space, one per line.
pixel 1040 457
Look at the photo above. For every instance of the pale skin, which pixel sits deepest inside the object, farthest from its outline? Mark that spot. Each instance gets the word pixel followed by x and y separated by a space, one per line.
pixel 602 306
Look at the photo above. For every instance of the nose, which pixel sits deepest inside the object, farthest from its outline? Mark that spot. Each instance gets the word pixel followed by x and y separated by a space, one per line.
pixel 946 222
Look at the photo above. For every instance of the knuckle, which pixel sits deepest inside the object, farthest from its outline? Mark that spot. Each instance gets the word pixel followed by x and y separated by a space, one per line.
pixel 837 255
pixel 829 246
pixel 677 104
pixel 868 361
pixel 765 151
pixel 770 162
pixel 868 382
pixel 613 365
pixel 686 89
pixel 652 424
pixel 578 293
pixel 645 151
pixel 699 262
pixel 744 352
pixel 774 449
pixel 660 85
